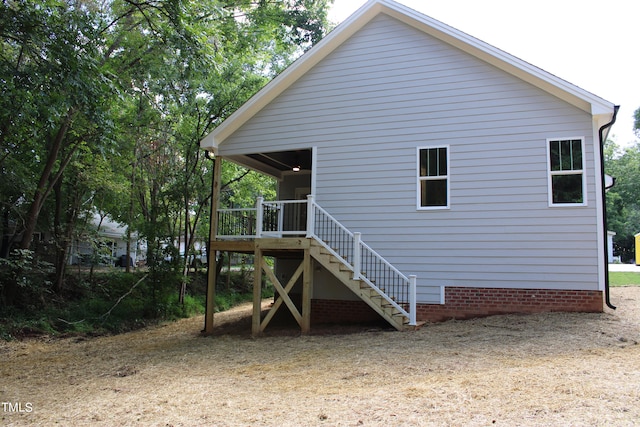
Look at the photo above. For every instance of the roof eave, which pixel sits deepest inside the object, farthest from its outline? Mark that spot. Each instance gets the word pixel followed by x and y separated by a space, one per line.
pixel 562 89
pixel 525 71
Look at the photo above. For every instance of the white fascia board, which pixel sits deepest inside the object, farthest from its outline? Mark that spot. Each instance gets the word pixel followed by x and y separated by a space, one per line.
pixel 209 143
pixel 600 120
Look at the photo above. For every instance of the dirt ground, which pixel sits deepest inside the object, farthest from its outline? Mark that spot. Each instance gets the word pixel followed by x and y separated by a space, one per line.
pixel 548 369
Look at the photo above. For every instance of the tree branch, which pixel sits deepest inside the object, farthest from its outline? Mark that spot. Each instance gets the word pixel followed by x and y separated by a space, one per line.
pixel 108 313
pixel 236 179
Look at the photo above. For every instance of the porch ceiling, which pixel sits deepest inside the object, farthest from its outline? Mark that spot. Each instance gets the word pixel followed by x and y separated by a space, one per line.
pixel 276 163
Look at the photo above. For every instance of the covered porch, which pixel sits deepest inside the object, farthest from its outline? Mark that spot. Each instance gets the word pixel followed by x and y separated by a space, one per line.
pixel 303 233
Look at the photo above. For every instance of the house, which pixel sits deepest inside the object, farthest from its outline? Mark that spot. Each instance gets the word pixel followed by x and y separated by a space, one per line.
pixel 446 179
pixel 610 257
pixel 109 247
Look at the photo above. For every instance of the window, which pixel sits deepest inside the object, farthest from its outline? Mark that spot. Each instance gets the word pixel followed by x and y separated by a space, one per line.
pixel 566 172
pixel 433 178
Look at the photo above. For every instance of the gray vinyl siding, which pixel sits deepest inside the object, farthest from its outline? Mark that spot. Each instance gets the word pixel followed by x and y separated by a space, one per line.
pixel 391 89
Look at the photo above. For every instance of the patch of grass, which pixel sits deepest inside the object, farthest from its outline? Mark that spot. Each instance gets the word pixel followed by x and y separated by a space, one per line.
pixel 624 278
pixel 226 300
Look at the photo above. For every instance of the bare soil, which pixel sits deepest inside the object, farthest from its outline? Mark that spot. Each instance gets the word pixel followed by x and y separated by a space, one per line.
pixel 534 370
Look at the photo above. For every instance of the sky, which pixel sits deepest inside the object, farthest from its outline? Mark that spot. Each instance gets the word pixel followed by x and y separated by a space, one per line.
pixel 588 43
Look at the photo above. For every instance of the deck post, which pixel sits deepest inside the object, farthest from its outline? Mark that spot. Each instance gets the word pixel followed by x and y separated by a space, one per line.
pixel 357 258
pixel 259 216
pixel 412 300
pixel 211 254
pixel 311 215
pixel 307 291
pixel 257 292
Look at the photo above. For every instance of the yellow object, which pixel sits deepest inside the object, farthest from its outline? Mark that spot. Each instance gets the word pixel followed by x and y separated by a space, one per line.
pixel 637 236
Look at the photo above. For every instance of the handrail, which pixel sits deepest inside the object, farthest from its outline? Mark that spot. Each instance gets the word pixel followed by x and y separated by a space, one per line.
pixel 284 218
pixel 366 264
pixel 236 223
pixel 398 289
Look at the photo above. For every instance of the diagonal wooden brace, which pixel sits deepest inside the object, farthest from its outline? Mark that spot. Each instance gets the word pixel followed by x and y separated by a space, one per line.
pixel 284 295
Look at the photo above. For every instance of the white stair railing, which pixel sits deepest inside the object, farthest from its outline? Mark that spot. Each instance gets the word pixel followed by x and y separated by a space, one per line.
pixel 367 265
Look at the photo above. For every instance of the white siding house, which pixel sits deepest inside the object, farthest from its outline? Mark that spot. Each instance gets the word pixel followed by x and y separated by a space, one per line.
pixel 109 245
pixel 460 164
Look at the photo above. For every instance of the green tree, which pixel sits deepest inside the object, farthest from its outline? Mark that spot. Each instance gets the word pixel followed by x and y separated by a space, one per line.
pixel 105 102
pixel 249 43
pixel 623 200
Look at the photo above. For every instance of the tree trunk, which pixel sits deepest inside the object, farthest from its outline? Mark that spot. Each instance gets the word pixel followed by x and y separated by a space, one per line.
pixel 131 207
pixel 6 241
pixel 64 222
pixel 43 184
pixel 59 238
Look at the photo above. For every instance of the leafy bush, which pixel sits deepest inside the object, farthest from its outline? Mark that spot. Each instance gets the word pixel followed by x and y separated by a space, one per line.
pixel 116 301
pixel 21 270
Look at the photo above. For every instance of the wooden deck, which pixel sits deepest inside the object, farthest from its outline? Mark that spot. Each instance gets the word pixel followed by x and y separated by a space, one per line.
pixel 303 250
pixel 300 230
pixel 270 246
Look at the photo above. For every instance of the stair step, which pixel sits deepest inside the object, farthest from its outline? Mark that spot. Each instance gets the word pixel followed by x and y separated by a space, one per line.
pixel 373 292
pixel 414 328
pixel 364 285
pixel 366 292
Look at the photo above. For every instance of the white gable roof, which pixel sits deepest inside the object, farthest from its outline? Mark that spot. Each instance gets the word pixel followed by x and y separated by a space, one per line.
pixel 562 89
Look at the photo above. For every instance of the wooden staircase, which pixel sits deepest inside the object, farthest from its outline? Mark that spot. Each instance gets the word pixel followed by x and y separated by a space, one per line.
pixel 361 288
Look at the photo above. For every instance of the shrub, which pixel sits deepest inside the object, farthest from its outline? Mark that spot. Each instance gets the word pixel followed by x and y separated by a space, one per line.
pixel 21 270
pixel 114 301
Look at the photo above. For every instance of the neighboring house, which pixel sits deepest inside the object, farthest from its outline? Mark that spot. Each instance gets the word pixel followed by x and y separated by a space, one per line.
pixel 610 257
pixel 460 164
pixel 109 247
pixel 198 254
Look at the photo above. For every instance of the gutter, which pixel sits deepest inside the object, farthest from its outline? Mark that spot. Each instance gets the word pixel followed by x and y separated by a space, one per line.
pixel 604 206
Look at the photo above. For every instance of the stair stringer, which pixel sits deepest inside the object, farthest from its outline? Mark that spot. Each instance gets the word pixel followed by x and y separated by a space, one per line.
pixel 365 292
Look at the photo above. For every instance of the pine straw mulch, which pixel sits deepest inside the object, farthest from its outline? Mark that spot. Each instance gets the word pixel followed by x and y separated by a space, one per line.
pixel 546 369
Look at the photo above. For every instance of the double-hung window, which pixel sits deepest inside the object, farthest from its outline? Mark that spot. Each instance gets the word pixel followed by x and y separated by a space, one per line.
pixel 567 184
pixel 433 177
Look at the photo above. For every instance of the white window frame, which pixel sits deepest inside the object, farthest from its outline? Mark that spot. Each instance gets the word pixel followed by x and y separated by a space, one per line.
pixel 428 178
pixel 551 174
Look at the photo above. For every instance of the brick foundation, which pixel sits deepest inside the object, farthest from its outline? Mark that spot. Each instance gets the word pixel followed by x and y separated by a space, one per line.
pixel 466 303
pixel 338 311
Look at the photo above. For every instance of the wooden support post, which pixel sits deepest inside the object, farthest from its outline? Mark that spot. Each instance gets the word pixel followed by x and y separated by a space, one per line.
pixel 212 267
pixel 307 291
pixel 257 292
